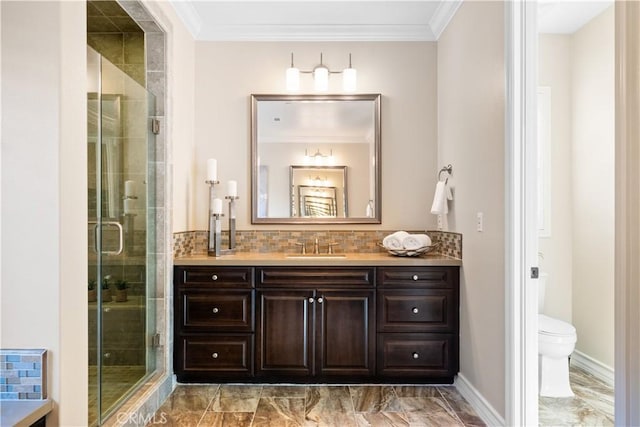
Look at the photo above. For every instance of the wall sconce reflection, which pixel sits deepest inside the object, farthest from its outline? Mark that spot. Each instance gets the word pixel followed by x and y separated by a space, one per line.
pixel 318 158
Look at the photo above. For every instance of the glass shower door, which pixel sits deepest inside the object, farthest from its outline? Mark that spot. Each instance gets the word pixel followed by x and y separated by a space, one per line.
pixel 121 186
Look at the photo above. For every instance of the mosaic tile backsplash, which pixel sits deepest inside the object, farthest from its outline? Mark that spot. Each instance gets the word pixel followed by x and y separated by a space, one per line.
pixel 23 374
pixel 367 241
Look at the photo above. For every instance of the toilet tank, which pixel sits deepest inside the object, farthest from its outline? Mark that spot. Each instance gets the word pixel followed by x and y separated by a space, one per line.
pixel 542 288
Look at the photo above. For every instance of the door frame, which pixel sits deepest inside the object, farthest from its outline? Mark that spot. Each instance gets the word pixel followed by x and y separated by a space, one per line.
pixel 627 207
pixel 521 397
pixel 521 241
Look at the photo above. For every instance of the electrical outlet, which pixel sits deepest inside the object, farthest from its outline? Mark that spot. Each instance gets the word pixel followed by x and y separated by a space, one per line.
pixel 479 221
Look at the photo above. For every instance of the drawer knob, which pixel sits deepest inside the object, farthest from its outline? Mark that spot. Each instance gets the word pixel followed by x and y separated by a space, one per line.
pixel 311 300
pixel 320 300
pixel 415 277
pixel 415 310
pixel 214 355
pixel 415 355
pixel 215 310
pixel 214 277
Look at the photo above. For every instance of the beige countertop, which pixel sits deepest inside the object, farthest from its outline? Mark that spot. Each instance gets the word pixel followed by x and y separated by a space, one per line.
pixel 20 413
pixel 349 259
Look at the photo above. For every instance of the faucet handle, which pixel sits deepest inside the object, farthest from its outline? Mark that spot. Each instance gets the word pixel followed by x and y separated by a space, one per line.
pixel 331 245
pixel 304 247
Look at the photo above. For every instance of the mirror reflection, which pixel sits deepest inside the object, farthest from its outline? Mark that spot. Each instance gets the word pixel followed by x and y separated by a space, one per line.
pixel 303 149
pixel 318 192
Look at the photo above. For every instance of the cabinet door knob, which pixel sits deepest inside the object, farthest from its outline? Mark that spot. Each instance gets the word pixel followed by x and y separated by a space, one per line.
pixel 215 310
pixel 414 310
pixel 415 277
pixel 214 355
pixel 415 355
pixel 311 300
pixel 320 300
pixel 214 277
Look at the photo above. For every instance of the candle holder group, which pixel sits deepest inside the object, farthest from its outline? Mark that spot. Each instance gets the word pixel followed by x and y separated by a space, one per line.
pixel 214 247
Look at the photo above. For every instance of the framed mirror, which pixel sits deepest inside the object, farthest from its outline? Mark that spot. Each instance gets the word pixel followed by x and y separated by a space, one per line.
pixel 303 147
pixel 318 192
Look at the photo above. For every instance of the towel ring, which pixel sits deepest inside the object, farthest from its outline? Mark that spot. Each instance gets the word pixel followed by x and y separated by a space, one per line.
pixel 446 169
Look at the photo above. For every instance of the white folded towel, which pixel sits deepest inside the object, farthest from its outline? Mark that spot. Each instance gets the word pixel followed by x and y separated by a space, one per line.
pixel 394 240
pixel 442 194
pixel 416 241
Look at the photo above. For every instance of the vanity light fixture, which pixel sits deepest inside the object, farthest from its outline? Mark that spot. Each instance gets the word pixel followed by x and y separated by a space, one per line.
pixel 318 158
pixel 321 77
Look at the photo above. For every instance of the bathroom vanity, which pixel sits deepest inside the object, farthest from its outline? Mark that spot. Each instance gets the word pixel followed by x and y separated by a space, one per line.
pixel 353 318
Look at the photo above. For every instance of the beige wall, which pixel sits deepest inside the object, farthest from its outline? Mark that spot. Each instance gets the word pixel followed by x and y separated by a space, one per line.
pixel 43 229
pixel 404 73
pixel 471 110
pixel 554 71
pixel 593 79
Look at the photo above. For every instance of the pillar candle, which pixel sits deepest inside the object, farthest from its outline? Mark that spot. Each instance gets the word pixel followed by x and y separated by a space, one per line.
pixel 232 188
pixel 129 189
pixel 212 170
pixel 216 206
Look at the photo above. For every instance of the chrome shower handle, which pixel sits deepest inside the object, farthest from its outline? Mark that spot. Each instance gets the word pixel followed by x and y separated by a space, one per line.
pixel 120 236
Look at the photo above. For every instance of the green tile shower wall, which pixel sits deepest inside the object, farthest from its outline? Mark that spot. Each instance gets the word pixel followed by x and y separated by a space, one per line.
pixel 367 241
pixel 23 374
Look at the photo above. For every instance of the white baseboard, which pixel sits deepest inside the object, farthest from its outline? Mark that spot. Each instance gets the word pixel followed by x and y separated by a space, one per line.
pixel 483 408
pixel 594 367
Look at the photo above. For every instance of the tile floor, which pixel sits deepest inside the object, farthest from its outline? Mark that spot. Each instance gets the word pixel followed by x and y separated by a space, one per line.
pixel 116 382
pixel 591 406
pixel 231 405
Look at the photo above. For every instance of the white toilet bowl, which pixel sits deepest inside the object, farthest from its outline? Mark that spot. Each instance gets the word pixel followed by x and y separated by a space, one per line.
pixel 556 341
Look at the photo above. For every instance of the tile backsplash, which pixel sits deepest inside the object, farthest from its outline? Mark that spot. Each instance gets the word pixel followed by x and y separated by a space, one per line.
pixel 23 374
pixel 364 241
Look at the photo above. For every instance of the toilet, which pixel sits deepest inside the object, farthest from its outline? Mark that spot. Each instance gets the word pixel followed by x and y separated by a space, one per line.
pixel 556 341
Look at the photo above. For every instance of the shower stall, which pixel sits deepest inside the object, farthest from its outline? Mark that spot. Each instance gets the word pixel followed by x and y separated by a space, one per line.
pixel 122 271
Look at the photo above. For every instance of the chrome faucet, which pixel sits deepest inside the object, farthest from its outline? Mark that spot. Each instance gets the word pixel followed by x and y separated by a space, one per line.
pixel 316 247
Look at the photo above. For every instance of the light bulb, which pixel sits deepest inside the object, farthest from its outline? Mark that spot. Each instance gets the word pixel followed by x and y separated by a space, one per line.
pixel 293 79
pixel 321 78
pixel 349 79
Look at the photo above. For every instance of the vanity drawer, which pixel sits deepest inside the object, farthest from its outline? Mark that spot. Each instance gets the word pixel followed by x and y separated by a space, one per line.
pixel 219 277
pixel 433 355
pixel 417 310
pixel 314 276
pixel 418 277
pixel 222 310
pixel 230 355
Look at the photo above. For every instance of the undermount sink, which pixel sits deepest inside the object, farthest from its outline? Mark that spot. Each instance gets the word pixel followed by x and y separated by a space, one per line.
pixel 321 256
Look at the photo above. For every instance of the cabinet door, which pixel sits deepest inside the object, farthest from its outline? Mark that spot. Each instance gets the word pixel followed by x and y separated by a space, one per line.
pixel 285 333
pixel 345 333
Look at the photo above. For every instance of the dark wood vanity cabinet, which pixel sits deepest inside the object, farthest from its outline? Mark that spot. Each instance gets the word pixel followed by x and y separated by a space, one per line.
pixel 213 323
pixel 417 323
pixel 315 323
pixel 309 324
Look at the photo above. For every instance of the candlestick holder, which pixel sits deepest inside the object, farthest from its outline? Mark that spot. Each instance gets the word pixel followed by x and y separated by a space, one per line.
pixel 128 222
pixel 215 229
pixel 232 221
pixel 129 219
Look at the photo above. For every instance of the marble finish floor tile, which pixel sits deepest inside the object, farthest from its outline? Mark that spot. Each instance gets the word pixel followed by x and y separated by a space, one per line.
pixel 233 405
pixel 592 404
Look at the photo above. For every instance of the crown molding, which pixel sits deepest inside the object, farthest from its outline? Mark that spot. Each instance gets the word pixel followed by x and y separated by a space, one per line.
pixel 317 33
pixel 189 15
pixel 440 19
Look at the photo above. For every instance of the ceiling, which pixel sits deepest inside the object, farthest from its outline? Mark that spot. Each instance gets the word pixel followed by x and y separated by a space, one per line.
pixel 355 20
